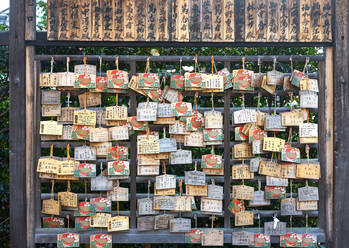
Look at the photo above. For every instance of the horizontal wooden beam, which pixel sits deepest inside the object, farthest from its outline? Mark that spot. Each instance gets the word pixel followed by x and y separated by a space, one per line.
pixel 49 235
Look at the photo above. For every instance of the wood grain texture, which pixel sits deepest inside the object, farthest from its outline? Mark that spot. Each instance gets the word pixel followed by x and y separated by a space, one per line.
pixel 17 137
pixel 341 127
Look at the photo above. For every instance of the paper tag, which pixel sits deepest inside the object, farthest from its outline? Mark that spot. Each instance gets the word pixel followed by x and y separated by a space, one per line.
pixel 259 200
pixel 180 225
pixel 118 133
pixel 51 207
pixel 243 150
pixel 164 203
pixel 118 168
pixel 309 171
pixel 245 116
pixel 68 199
pixel 83 153
pixel 308 193
pixel 242 171
pixel 118 223
pixel 308 99
pixel 291 240
pixel 244 218
pixel 51 128
pixel 51 110
pixel 101 241
pixel 194 139
pixel 241 238
pixel 212 237
pixel 181 157
pixel 243 192
pixel 166 181
pixel 68 240
pixel 50 97
pixel 196 190
pixel 181 109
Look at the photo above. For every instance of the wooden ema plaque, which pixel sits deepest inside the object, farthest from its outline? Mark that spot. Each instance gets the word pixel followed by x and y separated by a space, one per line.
pixel 51 207
pixel 145 223
pixel 180 225
pixel 275 228
pixel 53 222
pixel 196 190
pixel 243 192
pixel 212 237
pixel 211 205
pixel 242 238
pixel 242 171
pixel 145 207
pixel 118 223
pixel 244 218
pixel 68 199
pixel 162 221
pixel 100 220
pixel 243 150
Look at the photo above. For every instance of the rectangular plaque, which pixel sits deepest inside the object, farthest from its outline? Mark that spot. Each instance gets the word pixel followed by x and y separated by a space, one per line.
pixel 164 203
pixel 243 192
pixel 275 192
pixel 51 110
pixel 68 199
pixel 242 238
pixel 82 223
pixel 291 240
pixel 99 134
pixel 118 168
pixel 212 237
pixel 146 146
pixel 274 123
pixel 118 194
pixel 308 193
pixel 259 199
pixel 275 228
pixel 307 205
pixel 245 116
pixel 162 221
pixel 183 204
pixel 242 171
pixel 50 97
pixel 68 240
pixel 194 139
pixel 308 130
pixel 51 207
pixel 119 133
pixel 171 95
pixel 145 223
pixel 101 183
pixel 92 99
pixel 214 192
pixel 168 145
pixel 116 113
pixel 84 153
pixel 102 148
pixel 181 157
pixel 243 150
pixel 118 223
pixel 101 240
pixel 100 220
pixel 166 181
pixel 145 206
pixel 293 118
pixel 269 168
pixel 85 117
pixel 244 218
pixel 196 190
pixel 211 205
pixel 146 170
pixel 51 128
pixel 52 222
pixel 67 115
pixel 288 206
pixel 309 171
pixel 275 181
pixel 308 99
pixel 180 225
pixel 195 178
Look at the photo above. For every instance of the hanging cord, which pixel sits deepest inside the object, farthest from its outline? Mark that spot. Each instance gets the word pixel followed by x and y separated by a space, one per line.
pixel 212 64
pixel 291 62
pixel 291 223
pixel 68 186
pixel 243 63
pixel 212 101
pixel 147 66
pixel 196 165
pixel 116 99
pixel 196 103
pixel 290 94
pixel 275 104
pixel 306 223
pixel 289 140
pixel 196 220
pixel 117 63
pixel 85 61
pixel 68 98
pixel 51 151
pixel 52 189
pixel 196 61
pixel 68 61
pixel 100 66
pixel 213 219
pixel 52 61
pixel 68 152
pixel 148 189
pixel 163 167
pixel 259 184
pixel 85 181
pixel 85 102
pixel 259 223
pixel 180 65
pixel 307 152
pixel 305 69
pixel 274 63
pixel 180 182
pixel 148 131
pixel 164 132
pixel 259 65
pixel 291 194
pixel 243 100
pixel 68 222
pixel 212 149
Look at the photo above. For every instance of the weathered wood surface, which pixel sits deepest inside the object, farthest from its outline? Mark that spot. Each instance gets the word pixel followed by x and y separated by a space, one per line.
pixel 341 127
pixel 191 20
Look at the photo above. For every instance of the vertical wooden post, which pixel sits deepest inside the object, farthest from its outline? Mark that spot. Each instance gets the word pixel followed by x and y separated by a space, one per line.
pixel 341 124
pixel 227 165
pixel 133 184
pixel 17 60
pixel 326 140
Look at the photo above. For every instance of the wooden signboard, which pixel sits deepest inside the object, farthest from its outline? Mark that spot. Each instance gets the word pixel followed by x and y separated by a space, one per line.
pixel 309 171
pixel 307 205
pixel 67 115
pixel 146 170
pixel 51 207
pixel 49 110
pixel 243 150
pixel 269 168
pixel 50 97
pixel 164 203
pixel 68 199
pixel 242 171
pixel 92 99
pixel 183 204
pixel 51 128
pixel 214 192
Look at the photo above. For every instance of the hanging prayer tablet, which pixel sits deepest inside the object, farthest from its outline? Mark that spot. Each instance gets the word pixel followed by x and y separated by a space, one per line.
pixel 118 168
pixel 177 81
pixel 275 228
pixel 291 240
pixel 162 221
pixel 68 199
pixel 170 95
pixel 51 128
pixel 242 80
pixel 308 99
pixel 242 171
pixel 194 139
pixel 166 181
pixel 116 113
pixel 118 194
pixel 51 207
pixel 308 171
pixel 273 123
pixel 309 240
pixel 181 109
pixel 82 223
pixel 243 150
pixel 196 190
pixel 239 136
pixel 99 134
pixel 145 223
pixel 101 241
pixel 68 240
pixel 213 83
pixel 48 79
pixel 164 202
pixel 309 84
pixel 194 123
pixel 101 183
pixel 148 81
pixel 118 223
pixel 148 146
pixel 308 193
pixel 245 116
pixel 67 115
pixel 308 133
pixel 100 204
pixel 273 144
pixel 213 135
pixel 66 167
pixel 147 111
pixel 259 199
pixel 212 237
pixel 244 218
pixel 101 148
pixel 243 192
pixel 296 77
pixel 84 209
pixel 194 236
pixel 288 170
pixel 136 125
pixel 211 161
pixel 236 206
pixel 257 79
pixel 194 81
pixel 290 154
pixel 261 240
pixel 275 181
pixel 178 128
pixel 167 145
pixel 80 132
pixel 181 157
pixel 117 79
pixel 146 170
pixel 52 222
pixel 51 110
pixel 92 99
pixel 242 238
pixel 119 133
pixel 274 77
pixel 180 225
pixel 254 163
pixel 83 153
pixel 145 206
pixel 275 192
pixel 50 97
pixel 269 168
pixel 307 205
pixel 214 192
pixel 293 118
pixel 195 178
